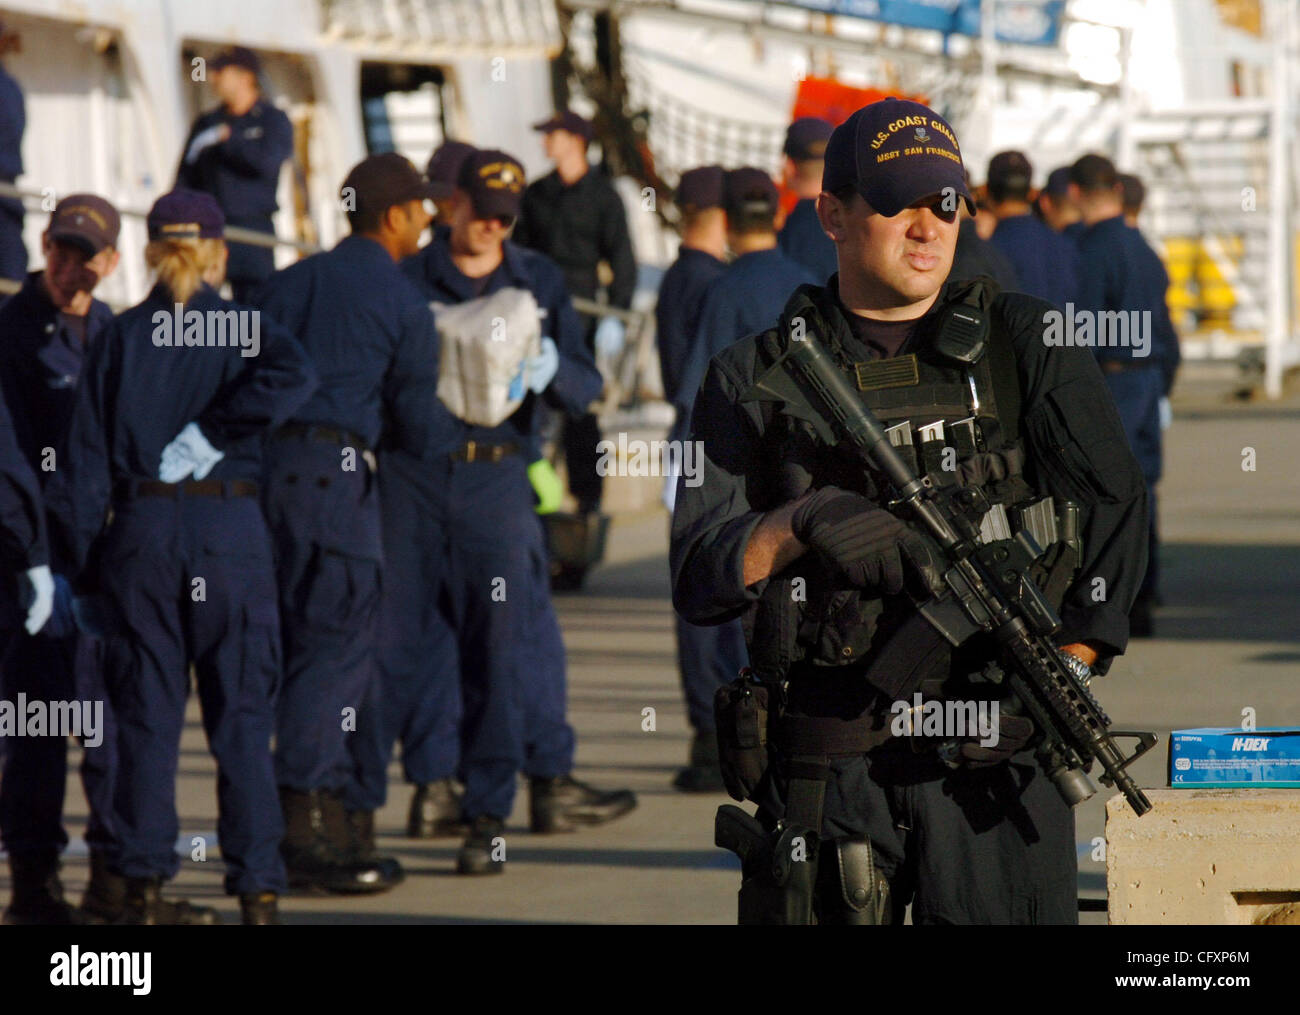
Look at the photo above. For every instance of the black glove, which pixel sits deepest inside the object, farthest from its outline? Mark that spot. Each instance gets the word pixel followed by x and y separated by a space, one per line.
pixel 859 538
pixel 1014 732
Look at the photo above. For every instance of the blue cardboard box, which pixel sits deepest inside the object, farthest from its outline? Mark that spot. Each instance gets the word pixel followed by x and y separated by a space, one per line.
pixel 1227 757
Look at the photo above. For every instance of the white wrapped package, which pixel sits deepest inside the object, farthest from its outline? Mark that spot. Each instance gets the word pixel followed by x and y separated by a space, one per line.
pixel 486 345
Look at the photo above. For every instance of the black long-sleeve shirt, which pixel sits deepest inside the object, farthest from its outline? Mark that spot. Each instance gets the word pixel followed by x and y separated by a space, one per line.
pixel 1072 435
pixel 579 225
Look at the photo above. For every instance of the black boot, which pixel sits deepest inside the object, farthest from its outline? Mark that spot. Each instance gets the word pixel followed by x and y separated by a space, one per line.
pixel 315 827
pixel 145 905
pixel 362 848
pixel 259 908
pixel 563 803
pixel 105 894
pixel 37 892
pixel 702 774
pixel 476 855
pixel 435 811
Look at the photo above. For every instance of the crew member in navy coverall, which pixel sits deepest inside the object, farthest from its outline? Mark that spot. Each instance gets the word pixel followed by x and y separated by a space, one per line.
pixel 371 337
pixel 13 121
pixel 168 429
pixel 234 152
pixel 48 327
pixel 475 506
pixel 574 216
pixel 1046 263
pixel 1122 273
pixel 750 294
pixel 801 237
pixel 706 656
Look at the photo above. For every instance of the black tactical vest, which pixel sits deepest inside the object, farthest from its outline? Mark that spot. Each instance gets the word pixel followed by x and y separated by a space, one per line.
pixel 938 414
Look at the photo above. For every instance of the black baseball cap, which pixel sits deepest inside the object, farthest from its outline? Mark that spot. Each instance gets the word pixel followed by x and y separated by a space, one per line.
pixel 494 182
pixel 381 181
pixel 444 164
pixel 1009 171
pixel 749 191
pixel 700 188
pixel 186 215
pixel 566 119
pixel 806 138
pixel 895 152
pixel 237 56
pixel 86 220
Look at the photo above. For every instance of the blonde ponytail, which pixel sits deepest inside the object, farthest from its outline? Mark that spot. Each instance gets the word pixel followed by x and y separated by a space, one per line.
pixel 181 264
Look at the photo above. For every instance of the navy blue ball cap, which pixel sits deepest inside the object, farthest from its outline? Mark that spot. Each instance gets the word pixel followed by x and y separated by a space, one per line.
pixel 494 182
pixel 806 138
pixel 567 119
pixel 444 164
pixel 894 153
pixel 1058 182
pixel 749 191
pixel 186 215
pixel 700 188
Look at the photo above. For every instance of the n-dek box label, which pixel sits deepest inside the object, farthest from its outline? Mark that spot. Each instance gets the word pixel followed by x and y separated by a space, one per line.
pixel 1229 757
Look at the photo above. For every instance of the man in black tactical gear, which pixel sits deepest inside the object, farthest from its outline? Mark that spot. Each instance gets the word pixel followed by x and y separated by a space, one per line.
pixel 857 817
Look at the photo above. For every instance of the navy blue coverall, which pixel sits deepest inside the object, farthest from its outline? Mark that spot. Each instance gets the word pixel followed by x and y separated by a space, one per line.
pixel 242 173
pixel 748 297
pixel 13 121
pixel 707 657
pixel 802 239
pixel 40 360
pixel 1120 272
pixel 475 521
pixel 370 335
pixel 1045 262
pixel 185 571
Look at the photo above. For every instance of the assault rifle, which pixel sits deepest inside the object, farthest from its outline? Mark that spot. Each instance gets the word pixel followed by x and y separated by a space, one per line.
pixel 985 587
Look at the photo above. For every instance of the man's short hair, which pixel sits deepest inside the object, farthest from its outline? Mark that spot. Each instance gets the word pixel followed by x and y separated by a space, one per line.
pixel 1134 191
pixel 1093 174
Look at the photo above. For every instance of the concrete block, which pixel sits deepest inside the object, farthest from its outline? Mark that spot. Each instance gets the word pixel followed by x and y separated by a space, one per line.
pixel 1213 856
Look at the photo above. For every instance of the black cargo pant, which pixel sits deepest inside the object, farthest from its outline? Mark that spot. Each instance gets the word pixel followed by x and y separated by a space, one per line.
pixel 964 846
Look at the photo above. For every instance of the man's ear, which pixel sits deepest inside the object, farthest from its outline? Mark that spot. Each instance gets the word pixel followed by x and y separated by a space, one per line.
pixel 831 214
pixel 112 263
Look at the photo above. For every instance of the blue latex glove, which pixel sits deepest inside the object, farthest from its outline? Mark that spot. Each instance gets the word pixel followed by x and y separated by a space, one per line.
pixel 61 623
pixel 543 367
pixel 610 334
pixel 190 452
